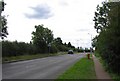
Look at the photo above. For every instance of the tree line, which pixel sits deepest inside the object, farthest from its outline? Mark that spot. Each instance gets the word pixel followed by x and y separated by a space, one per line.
pixel 107 43
pixel 43 42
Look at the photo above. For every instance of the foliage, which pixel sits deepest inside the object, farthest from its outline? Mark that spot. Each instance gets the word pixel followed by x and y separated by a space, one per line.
pixel 60 46
pixel 80 49
pixel 107 42
pixel 41 38
pixel 87 50
pixel 58 41
pixel 3 23
pixel 4 31
pixel 101 17
pixel 42 42
pixel 53 49
pixel 27 57
pixel 17 48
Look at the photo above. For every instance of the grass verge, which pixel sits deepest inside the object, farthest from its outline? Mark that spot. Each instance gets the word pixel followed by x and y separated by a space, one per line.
pixel 28 57
pixel 115 77
pixel 83 69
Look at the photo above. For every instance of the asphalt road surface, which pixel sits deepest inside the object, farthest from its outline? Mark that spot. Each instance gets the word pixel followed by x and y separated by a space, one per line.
pixel 43 68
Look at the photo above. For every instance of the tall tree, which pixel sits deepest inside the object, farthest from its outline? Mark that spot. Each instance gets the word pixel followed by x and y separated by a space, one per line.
pixel 4 31
pixel 42 37
pixel 69 44
pixel 107 42
pixel 3 22
pixel 58 41
pixel 101 17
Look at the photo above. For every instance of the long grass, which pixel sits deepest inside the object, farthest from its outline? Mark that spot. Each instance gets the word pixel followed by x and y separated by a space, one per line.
pixel 83 69
pixel 28 57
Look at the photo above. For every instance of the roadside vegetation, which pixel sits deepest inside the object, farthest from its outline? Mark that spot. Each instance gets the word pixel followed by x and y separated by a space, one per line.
pixel 42 44
pixel 83 69
pixel 107 42
pixel 114 76
pixel 29 57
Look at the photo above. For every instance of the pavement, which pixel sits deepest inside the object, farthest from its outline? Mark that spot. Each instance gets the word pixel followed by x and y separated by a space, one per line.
pixel 100 71
pixel 43 68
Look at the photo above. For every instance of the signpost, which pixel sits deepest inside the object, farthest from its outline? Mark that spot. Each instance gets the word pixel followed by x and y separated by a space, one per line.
pixel 49 45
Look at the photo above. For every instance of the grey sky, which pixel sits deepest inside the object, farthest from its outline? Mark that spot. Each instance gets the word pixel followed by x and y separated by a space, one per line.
pixel 71 20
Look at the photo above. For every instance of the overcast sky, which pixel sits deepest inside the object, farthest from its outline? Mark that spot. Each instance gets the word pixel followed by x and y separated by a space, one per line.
pixel 69 19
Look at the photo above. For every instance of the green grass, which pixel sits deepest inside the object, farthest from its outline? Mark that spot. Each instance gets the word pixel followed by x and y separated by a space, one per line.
pixel 28 57
pixel 83 69
pixel 115 77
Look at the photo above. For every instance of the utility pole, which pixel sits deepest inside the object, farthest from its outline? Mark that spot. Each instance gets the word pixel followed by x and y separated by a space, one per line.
pixel 49 45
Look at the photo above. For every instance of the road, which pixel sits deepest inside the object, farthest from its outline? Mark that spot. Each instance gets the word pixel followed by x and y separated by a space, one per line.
pixel 43 68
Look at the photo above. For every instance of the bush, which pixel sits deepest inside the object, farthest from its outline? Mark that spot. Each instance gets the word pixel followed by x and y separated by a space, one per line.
pixel 17 48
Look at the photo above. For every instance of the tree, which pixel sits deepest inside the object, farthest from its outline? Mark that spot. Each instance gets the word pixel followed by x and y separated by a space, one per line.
pixel 107 20
pixel 4 31
pixel 58 41
pixel 3 23
pixel 69 44
pixel 41 38
pixel 94 41
pixel 60 46
pixel 80 49
pixel 101 17
pixel 87 50
pixel 17 48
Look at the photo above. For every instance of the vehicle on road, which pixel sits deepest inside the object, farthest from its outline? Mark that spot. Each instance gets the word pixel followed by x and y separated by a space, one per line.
pixel 70 52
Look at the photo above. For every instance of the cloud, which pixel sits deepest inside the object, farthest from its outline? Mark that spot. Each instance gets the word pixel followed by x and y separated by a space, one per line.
pixel 42 11
pixel 63 3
